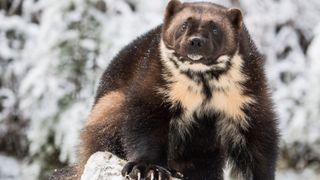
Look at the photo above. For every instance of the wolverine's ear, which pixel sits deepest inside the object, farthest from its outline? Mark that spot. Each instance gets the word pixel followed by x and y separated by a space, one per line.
pixel 172 8
pixel 235 17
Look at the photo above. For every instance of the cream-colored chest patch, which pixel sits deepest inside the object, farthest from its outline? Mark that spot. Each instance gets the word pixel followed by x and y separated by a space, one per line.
pixel 228 98
pixel 187 93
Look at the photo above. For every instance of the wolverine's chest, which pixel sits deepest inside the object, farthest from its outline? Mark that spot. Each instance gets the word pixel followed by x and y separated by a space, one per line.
pixel 202 96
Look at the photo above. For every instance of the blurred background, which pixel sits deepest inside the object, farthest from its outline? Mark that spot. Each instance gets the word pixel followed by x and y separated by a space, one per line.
pixel 52 52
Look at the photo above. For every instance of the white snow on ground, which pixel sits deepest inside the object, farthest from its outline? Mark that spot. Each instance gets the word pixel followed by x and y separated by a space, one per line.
pixel 57 64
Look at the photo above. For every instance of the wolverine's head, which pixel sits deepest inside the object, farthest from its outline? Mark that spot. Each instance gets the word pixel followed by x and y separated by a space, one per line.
pixel 201 34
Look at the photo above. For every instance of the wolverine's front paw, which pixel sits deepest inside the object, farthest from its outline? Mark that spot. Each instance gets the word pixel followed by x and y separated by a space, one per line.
pixel 143 171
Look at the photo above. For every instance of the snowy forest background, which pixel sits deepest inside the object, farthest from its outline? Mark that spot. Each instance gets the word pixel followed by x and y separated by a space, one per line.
pixel 52 52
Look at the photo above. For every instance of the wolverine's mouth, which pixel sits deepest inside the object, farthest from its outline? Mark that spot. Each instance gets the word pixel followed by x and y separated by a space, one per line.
pixel 194 57
pixel 196 62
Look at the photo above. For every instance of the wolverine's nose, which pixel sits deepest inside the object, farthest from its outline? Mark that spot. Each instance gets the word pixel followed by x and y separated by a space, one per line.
pixel 197 42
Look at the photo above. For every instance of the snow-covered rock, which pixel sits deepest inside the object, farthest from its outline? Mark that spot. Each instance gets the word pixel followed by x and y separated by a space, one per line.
pixel 103 166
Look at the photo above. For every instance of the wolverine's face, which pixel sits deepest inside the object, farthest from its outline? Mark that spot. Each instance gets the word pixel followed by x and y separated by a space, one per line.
pixel 201 33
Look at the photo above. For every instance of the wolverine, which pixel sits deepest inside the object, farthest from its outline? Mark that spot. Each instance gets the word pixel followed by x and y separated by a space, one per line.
pixel 185 100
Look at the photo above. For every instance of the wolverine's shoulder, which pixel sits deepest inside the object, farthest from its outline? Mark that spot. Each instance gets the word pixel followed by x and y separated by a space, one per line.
pixel 133 60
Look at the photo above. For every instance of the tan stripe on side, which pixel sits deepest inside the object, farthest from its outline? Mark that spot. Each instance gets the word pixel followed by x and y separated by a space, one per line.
pixel 106 105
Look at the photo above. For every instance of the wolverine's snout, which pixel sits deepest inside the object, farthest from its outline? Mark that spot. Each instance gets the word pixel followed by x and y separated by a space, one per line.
pixel 197 44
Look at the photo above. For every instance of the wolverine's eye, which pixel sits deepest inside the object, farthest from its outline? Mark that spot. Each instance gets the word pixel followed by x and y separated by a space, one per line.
pixel 215 29
pixel 184 26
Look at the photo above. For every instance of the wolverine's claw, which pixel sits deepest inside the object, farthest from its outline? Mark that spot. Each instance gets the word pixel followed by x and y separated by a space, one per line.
pixel 142 171
pixel 139 175
pixel 151 175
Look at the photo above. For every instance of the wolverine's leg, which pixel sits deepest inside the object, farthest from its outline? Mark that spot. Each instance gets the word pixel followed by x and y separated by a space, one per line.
pixel 208 168
pixel 102 131
pixel 256 158
pixel 145 135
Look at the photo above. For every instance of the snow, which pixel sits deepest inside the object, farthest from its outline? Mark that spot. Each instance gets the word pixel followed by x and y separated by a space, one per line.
pixel 49 71
pixel 308 174
pixel 13 169
pixel 103 166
